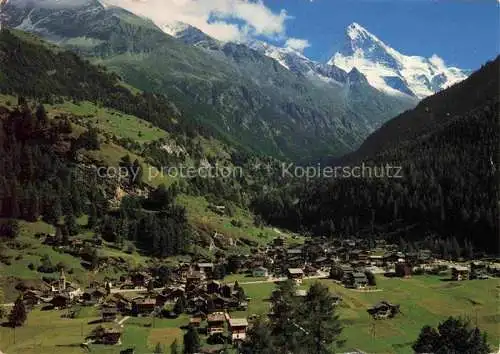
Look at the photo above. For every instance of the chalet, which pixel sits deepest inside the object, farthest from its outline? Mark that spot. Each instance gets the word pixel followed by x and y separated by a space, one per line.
pixel 356 280
pixel 238 328
pixel 173 293
pixel 197 304
pixel 294 252
pixel 107 335
pixel 376 260
pixel 260 272
pixel 339 272
pixel 278 242
pixel 141 306
pixel 32 297
pixel 94 294
pixel 390 257
pixel 300 293
pixel 109 314
pixel 213 287
pixel 493 269
pixel 194 279
pixel 296 274
pixel 61 301
pixel 215 323
pixel 205 268
pixel 309 270
pixel 403 270
pixel 460 273
pixel 195 321
pixel 383 310
pixel 321 262
pixel 140 279
pixel 161 299
pixel 226 290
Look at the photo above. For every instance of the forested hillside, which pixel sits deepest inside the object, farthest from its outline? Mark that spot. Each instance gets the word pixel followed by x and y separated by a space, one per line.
pixel 240 95
pixel 447 196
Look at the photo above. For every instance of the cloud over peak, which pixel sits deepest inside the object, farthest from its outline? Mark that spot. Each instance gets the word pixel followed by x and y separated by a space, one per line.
pixel 225 20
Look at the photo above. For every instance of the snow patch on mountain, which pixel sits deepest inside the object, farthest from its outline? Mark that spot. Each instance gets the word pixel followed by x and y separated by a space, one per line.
pixel 390 71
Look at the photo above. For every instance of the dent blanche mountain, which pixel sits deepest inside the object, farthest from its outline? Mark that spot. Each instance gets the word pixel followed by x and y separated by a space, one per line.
pixel 236 92
pixel 390 71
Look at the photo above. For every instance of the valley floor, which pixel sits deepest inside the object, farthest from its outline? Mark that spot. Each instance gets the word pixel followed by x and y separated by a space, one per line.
pixel 423 299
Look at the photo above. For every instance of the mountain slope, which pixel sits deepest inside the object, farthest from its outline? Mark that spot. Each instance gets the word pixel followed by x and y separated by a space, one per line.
pixel 445 197
pixel 237 93
pixel 390 71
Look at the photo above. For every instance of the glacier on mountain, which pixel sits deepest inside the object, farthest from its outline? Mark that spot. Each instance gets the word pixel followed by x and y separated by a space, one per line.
pixel 390 71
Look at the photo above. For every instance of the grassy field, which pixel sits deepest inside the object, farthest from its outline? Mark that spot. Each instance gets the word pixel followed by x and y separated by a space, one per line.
pixel 112 121
pixel 423 299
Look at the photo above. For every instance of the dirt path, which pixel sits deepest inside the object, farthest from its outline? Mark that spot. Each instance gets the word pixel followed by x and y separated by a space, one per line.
pixel 119 322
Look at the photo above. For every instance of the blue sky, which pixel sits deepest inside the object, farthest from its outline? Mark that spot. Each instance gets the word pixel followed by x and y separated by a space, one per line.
pixel 463 33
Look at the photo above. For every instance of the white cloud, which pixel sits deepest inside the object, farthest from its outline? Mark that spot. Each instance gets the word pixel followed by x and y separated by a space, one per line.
pixel 213 16
pixel 297 44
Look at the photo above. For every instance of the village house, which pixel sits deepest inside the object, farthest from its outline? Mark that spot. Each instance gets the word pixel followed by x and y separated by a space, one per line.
pixel 108 335
pixel 339 271
pixel 194 279
pixel 143 306
pixel 140 279
pixel 109 314
pixel 403 270
pixel 356 280
pixel 195 321
pixel 383 309
pixel 213 287
pixel 278 242
pixel 260 272
pixel 32 297
pixel 460 273
pixel 94 294
pixel 215 323
pixel 205 268
pixel 296 274
pixel 60 301
pixel 238 329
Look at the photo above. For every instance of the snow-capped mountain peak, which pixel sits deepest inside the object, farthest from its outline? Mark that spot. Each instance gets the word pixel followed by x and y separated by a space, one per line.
pixel 390 71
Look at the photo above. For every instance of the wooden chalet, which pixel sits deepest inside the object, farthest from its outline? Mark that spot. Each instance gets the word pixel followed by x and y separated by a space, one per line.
pixel 296 274
pixel 61 301
pixel 238 329
pixel 213 287
pixel 356 280
pixel 460 273
pixel 216 322
pixel 260 272
pixel 109 314
pixel 195 321
pixel 403 270
pixel 383 310
pixel 140 279
pixel 143 306
pixel 107 335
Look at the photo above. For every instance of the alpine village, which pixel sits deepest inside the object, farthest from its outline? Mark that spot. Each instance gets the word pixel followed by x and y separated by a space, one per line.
pixel 104 249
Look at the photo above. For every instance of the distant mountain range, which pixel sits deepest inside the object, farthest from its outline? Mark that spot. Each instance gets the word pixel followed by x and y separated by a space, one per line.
pixel 258 96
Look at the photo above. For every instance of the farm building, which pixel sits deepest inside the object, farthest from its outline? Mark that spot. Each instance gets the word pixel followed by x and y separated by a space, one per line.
pixel 296 274
pixel 383 309
pixel 403 270
pixel 460 273
pixel 216 323
pixel 238 328
pixel 260 272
